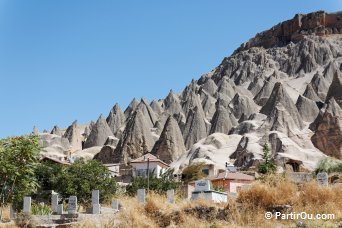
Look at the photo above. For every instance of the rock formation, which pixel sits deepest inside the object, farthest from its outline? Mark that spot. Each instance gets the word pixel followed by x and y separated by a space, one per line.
pixel 115 119
pixel 99 133
pixel 170 145
pixel 74 136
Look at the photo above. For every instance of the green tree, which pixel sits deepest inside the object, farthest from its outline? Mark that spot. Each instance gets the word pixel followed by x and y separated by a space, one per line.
pixel 268 165
pixel 159 185
pixel 46 173
pixel 193 172
pixel 19 157
pixel 80 178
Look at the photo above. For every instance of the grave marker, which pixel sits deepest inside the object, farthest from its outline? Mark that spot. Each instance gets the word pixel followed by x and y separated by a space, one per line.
pixel 95 201
pixel 60 209
pixel 170 195
pixel 27 204
pixel 12 213
pixel 54 203
pixel 141 195
pixel 322 178
pixel 202 185
pixel 115 204
pixel 72 205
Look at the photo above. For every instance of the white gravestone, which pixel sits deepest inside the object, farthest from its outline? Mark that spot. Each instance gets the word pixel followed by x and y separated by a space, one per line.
pixel 322 178
pixel 60 209
pixel 115 204
pixel 12 213
pixel 141 195
pixel 170 195
pixel 27 204
pixel 95 201
pixel 54 203
pixel 202 185
pixel 72 205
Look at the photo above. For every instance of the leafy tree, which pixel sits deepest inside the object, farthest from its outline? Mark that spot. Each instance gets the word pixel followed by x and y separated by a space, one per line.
pixel 329 165
pixel 19 157
pixel 193 172
pixel 46 173
pixel 80 178
pixel 268 165
pixel 159 185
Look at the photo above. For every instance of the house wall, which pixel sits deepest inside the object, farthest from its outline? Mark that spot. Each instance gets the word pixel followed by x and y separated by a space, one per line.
pixel 152 166
pixel 230 185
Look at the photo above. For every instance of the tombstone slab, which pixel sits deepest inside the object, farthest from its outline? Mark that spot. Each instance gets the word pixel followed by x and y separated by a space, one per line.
pixel 141 195
pixel 115 204
pixel 60 209
pixel 12 213
pixel 95 197
pixel 54 203
pixel 27 204
pixel 72 205
pixel 322 178
pixel 96 209
pixel 170 195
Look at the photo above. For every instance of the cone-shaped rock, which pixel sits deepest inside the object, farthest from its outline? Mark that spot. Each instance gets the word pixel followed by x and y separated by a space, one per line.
pixel 131 107
pixel 136 139
pixel 226 88
pixel 208 104
pixel 172 104
pixel 106 155
pixel 222 121
pixel 335 89
pixel 210 87
pixel 328 134
pixel 307 109
pixel 156 107
pixel 116 119
pixel 242 107
pixel 191 102
pixel 320 85
pixel 99 134
pixel 35 130
pixel 147 111
pixel 195 127
pixel 56 131
pixel 170 145
pixel 330 71
pixel 265 92
pixel 73 134
pixel 280 96
pixel 311 94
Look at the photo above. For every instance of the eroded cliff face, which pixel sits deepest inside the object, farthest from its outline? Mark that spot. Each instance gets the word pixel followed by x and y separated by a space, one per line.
pixel 277 88
pixel 319 23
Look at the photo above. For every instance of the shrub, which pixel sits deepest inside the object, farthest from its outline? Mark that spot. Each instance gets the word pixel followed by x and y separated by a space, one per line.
pixel 268 165
pixel 193 172
pixel 41 209
pixel 329 165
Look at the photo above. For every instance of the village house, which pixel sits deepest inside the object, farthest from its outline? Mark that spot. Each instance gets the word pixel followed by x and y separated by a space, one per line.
pixel 231 181
pixel 148 162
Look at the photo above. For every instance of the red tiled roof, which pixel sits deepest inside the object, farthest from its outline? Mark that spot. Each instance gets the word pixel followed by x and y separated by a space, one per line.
pixel 232 176
pixel 149 156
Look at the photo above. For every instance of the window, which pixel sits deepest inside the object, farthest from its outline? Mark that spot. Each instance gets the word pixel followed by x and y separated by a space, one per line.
pixel 205 171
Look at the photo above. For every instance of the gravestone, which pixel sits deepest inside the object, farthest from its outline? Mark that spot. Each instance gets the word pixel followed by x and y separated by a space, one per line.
pixel 322 178
pixel 54 203
pixel 12 213
pixel 141 195
pixel 72 205
pixel 27 204
pixel 95 201
pixel 202 185
pixel 170 195
pixel 60 209
pixel 115 204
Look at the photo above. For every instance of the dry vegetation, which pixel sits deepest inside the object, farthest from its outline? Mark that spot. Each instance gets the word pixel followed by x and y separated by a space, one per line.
pixel 245 211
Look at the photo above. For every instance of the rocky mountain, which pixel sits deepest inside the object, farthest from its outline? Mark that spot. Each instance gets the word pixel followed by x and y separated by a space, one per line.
pixel 282 87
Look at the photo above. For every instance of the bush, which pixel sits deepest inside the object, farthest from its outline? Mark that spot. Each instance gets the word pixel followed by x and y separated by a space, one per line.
pixel 41 209
pixel 19 157
pixel 159 185
pixel 193 172
pixel 80 178
pixel 268 165
pixel 329 165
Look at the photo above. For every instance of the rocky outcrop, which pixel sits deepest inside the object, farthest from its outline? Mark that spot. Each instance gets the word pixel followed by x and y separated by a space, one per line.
pixel 147 111
pixel 335 89
pixel 106 155
pixel 172 104
pixel 319 23
pixel 156 107
pixel 242 107
pixel 278 105
pixel 116 119
pixel 74 136
pixel 311 94
pixel 195 127
pixel 222 121
pixel 136 139
pixel 328 132
pixel 307 109
pixel 56 131
pixel 170 145
pixel 131 107
pixel 99 133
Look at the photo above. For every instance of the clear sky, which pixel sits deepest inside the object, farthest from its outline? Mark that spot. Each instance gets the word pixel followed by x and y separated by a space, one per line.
pixel 62 60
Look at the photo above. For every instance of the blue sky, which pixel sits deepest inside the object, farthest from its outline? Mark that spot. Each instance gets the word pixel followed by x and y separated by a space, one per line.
pixel 74 59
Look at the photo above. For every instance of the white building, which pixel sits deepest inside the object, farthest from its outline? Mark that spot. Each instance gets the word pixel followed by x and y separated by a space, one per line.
pixel 150 162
